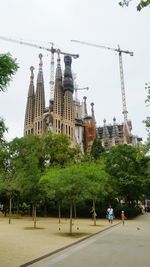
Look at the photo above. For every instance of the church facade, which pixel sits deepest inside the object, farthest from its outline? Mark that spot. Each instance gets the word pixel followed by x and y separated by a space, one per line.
pixel 64 114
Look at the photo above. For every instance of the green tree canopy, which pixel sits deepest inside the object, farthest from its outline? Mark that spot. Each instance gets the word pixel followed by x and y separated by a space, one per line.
pixel 8 68
pixel 141 4
pixel 127 167
pixel 3 130
pixel 57 149
pixel 27 161
pixel 97 149
pixel 69 183
pixel 147 101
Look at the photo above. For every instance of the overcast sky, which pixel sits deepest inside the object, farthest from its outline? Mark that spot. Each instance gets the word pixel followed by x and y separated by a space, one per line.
pixel 101 22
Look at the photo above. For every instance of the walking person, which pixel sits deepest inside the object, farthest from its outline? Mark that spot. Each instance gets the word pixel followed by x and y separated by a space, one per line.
pixel 123 217
pixel 110 214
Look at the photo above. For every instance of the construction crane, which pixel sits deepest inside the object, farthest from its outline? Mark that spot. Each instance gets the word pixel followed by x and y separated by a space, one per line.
pixel 119 51
pixel 76 89
pixel 52 50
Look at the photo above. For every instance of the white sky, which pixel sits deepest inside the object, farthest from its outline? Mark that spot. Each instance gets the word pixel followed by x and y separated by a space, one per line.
pixel 102 22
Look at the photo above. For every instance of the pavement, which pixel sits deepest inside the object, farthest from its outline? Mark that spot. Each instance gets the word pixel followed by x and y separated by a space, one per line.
pixel 119 246
pixel 22 245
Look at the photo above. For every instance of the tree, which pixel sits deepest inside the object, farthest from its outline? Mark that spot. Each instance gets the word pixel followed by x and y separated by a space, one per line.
pixel 3 129
pixel 146 181
pixel 7 179
pixel 31 156
pixel 146 146
pixel 127 167
pixel 8 68
pixel 97 149
pixel 98 183
pixel 141 4
pixel 147 102
pixel 51 185
pixel 26 161
pixel 57 149
pixel 70 185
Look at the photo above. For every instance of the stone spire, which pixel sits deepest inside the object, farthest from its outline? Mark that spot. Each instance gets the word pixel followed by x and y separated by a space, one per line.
pixel 39 100
pixel 58 99
pixel 105 135
pixel 68 80
pixel 115 133
pixel 85 107
pixel 31 86
pixel 29 114
pixel 40 73
pixel 58 69
pixel 68 108
pixel 92 111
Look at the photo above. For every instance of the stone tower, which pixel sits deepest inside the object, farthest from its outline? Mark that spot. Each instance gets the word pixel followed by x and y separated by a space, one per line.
pixel 39 101
pixel 105 136
pixel 58 100
pixel 30 106
pixel 68 107
pixel 115 133
pixel 89 127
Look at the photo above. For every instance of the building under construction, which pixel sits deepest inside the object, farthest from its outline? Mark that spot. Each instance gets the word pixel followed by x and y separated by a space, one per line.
pixel 64 114
pixel 115 134
pixel 67 115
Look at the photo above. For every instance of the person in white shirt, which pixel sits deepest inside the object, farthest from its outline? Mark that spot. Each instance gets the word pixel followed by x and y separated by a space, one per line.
pixel 110 214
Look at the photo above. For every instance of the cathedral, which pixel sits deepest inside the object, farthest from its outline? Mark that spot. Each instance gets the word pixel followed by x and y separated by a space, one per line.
pixel 64 114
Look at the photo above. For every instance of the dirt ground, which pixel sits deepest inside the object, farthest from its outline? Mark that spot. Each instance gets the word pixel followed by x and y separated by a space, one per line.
pixel 21 243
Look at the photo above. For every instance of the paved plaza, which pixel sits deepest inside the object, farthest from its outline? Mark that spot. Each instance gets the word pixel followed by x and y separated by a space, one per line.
pixel 21 243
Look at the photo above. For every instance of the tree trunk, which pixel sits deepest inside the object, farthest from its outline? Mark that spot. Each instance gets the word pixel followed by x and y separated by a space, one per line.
pixel 94 212
pixel 34 216
pixel 10 204
pixel 59 213
pixel 71 218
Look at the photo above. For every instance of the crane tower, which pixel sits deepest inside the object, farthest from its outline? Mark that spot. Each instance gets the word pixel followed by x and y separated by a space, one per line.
pixel 119 51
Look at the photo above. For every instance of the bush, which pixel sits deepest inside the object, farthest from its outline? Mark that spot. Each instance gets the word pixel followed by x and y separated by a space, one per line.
pixel 130 212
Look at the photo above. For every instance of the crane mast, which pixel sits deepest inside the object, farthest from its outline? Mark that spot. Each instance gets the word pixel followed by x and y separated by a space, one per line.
pixel 52 50
pixel 119 51
pixel 125 112
pixel 52 66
